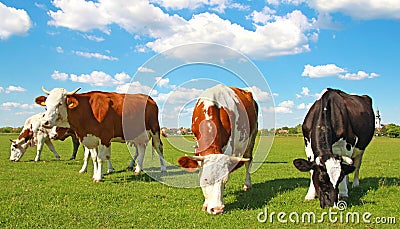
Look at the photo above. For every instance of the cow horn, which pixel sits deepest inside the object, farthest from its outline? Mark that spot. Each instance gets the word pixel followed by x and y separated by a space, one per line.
pixel 45 91
pixel 348 160
pixel 197 158
pixel 74 91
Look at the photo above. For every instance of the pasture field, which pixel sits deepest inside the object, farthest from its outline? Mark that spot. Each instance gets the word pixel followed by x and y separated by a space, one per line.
pixel 52 194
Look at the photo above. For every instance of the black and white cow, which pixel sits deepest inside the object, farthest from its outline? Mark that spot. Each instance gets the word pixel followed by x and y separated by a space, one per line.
pixel 337 129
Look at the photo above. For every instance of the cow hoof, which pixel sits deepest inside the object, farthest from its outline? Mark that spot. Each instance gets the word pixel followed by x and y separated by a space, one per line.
pixel 343 196
pixel 72 158
pixel 204 208
pixel 82 171
pixel 356 183
pixel 129 168
pixel 110 171
pixel 136 172
pixel 309 198
pixel 246 188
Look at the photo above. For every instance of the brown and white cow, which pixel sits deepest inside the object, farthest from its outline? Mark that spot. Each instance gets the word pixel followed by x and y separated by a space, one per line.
pixel 225 124
pixel 100 117
pixel 337 129
pixel 34 134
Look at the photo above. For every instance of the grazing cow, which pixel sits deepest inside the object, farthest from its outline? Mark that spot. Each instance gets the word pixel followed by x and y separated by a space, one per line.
pixel 33 133
pixel 337 129
pixel 101 117
pixel 224 123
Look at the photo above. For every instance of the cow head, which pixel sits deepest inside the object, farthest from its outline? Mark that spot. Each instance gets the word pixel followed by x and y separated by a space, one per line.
pixel 328 171
pixel 214 173
pixel 56 105
pixel 18 148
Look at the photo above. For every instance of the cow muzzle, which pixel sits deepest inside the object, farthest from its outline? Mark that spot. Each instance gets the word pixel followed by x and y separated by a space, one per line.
pixel 213 210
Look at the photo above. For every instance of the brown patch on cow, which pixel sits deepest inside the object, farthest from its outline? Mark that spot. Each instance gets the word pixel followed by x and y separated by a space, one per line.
pixel 188 164
pixel 26 135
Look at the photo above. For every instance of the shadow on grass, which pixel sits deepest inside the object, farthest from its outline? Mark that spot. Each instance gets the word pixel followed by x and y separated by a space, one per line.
pixel 369 184
pixel 262 193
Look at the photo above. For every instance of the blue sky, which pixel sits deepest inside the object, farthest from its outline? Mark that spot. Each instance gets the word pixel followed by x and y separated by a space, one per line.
pixel 300 48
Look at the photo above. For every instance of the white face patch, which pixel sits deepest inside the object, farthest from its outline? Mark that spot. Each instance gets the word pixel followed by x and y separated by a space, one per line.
pixel 213 176
pixel 333 168
pixel 56 114
pixel 309 151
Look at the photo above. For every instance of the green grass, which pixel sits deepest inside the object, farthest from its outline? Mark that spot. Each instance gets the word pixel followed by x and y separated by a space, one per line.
pixel 50 193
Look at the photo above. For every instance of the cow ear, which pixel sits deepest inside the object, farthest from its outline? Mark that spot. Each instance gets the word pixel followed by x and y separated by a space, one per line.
pixel 100 106
pixel 302 165
pixel 41 100
pixel 347 169
pixel 188 164
pixel 72 102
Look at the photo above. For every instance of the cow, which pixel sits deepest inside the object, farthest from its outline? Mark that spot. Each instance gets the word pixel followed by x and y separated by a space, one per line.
pixel 101 117
pixel 337 129
pixel 224 123
pixel 33 133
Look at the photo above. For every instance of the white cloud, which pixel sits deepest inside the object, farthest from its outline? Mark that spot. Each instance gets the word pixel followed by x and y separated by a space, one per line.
pixel 320 71
pixel 303 106
pixel 79 15
pixel 179 95
pixel 216 5
pixel 93 38
pixel 59 49
pixel 259 95
pixel 360 75
pixel 305 91
pixel 144 69
pixel 10 105
pixel 14 89
pixel 59 75
pixel 284 107
pixel 136 87
pixel 95 78
pixel 95 55
pixel 278 2
pixel 262 17
pixel 162 82
pixel 13 22
pixel 366 9
pixel 282 35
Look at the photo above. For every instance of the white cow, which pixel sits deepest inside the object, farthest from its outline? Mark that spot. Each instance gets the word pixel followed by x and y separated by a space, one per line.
pixel 32 134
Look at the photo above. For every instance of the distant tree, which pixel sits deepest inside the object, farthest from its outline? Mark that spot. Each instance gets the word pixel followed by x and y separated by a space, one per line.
pixel 392 130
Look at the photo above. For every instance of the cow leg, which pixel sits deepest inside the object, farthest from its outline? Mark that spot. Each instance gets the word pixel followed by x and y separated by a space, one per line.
pixel 108 157
pixel 311 190
pixel 52 149
pixel 343 191
pixel 141 150
pixel 101 156
pixel 39 149
pixel 93 154
pixel 357 163
pixel 247 182
pixel 157 145
pixel 85 161
pixel 75 143
pixel 132 163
